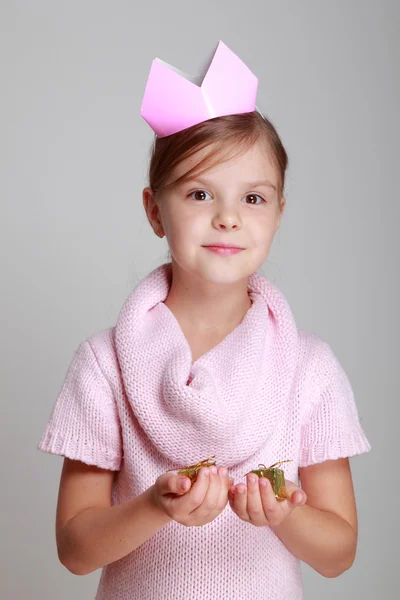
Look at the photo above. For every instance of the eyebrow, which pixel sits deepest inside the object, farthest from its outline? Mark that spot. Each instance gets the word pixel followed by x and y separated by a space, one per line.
pixel 253 184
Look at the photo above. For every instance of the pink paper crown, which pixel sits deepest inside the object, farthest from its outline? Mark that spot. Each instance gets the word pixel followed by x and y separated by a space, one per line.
pixel 173 101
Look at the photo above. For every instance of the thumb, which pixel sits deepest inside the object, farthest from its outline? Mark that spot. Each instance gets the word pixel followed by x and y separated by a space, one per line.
pixel 295 494
pixel 171 483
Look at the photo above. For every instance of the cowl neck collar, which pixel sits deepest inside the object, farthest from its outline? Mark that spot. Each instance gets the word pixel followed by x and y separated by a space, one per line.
pixel 229 400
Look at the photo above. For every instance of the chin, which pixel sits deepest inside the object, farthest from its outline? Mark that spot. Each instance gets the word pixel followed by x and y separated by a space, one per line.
pixel 226 271
pixel 220 269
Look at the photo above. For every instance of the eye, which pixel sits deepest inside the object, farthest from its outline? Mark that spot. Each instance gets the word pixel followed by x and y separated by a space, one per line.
pixel 253 196
pixel 199 193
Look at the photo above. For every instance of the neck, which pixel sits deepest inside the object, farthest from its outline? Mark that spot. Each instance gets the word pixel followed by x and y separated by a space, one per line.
pixel 207 305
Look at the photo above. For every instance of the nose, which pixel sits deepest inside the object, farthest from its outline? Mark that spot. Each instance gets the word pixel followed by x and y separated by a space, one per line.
pixel 226 219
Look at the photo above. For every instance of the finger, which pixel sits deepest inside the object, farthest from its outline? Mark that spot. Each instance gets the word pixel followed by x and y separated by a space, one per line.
pixel 269 503
pixel 298 498
pixel 295 494
pixel 209 502
pixel 255 508
pixel 187 502
pixel 225 484
pixel 171 483
pixel 240 501
pixel 199 489
pixel 231 493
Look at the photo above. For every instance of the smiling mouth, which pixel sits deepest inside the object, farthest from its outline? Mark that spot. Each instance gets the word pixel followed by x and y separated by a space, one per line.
pixel 231 247
pixel 224 250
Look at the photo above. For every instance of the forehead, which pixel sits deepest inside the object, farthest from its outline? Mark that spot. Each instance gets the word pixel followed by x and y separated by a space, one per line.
pixel 233 164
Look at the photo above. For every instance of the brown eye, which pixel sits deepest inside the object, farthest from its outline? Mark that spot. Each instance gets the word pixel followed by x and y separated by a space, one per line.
pixel 198 195
pixel 253 198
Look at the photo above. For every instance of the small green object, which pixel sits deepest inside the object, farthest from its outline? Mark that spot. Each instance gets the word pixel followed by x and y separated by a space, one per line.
pixel 191 471
pixel 275 476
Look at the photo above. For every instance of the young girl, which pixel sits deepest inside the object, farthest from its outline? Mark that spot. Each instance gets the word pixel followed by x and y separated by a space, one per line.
pixel 206 360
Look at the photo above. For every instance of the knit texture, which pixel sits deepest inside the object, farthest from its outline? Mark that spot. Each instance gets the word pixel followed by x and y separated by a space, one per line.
pixel 134 402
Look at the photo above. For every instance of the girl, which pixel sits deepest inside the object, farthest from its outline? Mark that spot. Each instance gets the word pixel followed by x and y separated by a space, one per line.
pixel 206 359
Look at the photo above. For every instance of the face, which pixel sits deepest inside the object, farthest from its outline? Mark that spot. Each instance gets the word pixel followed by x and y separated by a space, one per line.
pixel 233 203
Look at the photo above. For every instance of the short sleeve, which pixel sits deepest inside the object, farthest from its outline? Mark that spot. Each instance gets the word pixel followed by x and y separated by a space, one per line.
pixel 331 428
pixel 84 423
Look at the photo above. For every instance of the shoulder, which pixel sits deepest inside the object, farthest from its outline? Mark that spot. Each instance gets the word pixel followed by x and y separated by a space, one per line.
pixel 312 350
pixel 102 344
pixel 312 347
pixel 318 368
pixel 323 364
pixel 316 353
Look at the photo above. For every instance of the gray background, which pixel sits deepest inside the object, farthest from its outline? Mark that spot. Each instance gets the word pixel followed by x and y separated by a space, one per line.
pixel 75 241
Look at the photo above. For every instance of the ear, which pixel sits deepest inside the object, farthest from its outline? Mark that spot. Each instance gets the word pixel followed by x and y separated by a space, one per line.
pixel 152 211
pixel 281 209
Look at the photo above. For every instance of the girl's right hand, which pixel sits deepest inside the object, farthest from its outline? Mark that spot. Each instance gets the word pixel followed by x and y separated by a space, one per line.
pixel 192 505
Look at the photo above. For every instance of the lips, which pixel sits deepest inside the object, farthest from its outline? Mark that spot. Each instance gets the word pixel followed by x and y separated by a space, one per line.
pixel 224 250
pixel 230 246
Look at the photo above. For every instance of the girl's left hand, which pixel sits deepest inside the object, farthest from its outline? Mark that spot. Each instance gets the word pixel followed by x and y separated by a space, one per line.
pixel 257 504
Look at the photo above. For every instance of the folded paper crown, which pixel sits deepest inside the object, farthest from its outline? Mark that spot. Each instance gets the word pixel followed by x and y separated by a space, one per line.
pixel 174 101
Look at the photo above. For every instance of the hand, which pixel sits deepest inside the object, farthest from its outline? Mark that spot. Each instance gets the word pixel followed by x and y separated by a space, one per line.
pixel 257 504
pixel 195 504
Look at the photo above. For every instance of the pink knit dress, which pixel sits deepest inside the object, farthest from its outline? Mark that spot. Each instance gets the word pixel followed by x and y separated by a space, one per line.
pixel 133 401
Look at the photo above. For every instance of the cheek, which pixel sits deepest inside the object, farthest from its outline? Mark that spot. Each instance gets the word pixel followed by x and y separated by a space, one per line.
pixel 185 229
pixel 262 231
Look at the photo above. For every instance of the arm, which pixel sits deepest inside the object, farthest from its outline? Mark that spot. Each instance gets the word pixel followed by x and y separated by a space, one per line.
pixel 323 533
pixel 90 532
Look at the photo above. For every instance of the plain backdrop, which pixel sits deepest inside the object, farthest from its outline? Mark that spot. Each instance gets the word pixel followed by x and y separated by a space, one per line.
pixel 75 240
